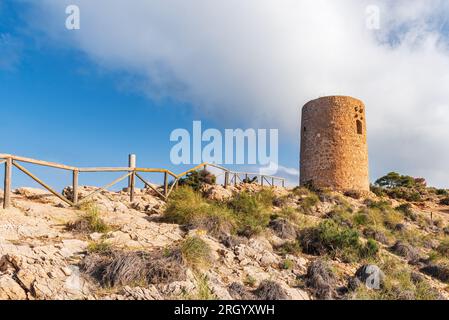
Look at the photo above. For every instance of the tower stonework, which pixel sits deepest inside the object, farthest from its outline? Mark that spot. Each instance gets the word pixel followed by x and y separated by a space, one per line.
pixel 334 151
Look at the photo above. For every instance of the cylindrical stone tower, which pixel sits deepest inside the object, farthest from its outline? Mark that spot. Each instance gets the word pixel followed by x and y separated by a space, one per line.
pixel 334 152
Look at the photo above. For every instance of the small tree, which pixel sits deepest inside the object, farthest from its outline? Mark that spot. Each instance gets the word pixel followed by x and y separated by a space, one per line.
pixel 394 180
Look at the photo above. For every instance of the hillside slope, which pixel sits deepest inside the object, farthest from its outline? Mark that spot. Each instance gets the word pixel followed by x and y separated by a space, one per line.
pixel 244 242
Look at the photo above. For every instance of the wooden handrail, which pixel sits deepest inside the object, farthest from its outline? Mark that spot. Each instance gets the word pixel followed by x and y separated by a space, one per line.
pixel 4 156
pixel 131 172
pixel 38 162
pixel 106 169
pixel 43 184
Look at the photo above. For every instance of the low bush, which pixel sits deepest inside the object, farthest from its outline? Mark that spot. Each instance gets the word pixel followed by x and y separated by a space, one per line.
pixel 270 290
pixel 246 214
pixel 90 221
pixel 443 248
pixel 309 202
pixel 441 192
pixel 438 271
pixel 378 191
pixel 339 241
pixel 251 211
pixel 101 247
pixel 405 194
pixel 287 264
pixel 355 194
pixel 406 209
pixel 197 179
pixel 294 216
pixel 445 201
pixel 379 214
pixel 342 215
pixel 405 250
pixel 189 208
pixel 204 292
pixel 370 249
pixel 400 283
pixel 195 252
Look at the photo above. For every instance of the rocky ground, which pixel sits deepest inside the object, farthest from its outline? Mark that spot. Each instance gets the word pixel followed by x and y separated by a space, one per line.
pixel 43 257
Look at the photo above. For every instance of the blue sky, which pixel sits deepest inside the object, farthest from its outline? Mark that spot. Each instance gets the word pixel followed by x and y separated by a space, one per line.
pixel 57 105
pixel 137 70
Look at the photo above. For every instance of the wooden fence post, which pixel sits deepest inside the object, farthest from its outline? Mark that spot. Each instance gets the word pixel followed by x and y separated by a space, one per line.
pixel 283 183
pixel 131 164
pixel 132 177
pixel 226 182
pixel 235 179
pixel 261 180
pixel 75 187
pixel 7 187
pixel 166 184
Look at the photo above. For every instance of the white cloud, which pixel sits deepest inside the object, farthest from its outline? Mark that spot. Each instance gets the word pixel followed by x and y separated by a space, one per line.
pixel 260 60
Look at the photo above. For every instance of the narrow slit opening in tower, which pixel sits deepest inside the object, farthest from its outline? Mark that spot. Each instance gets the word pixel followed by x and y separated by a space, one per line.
pixel 359 127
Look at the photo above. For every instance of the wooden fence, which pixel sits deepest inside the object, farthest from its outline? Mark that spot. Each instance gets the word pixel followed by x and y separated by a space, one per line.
pixel 131 173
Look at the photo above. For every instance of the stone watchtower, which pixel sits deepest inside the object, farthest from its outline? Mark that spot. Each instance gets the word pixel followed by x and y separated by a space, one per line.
pixel 334 152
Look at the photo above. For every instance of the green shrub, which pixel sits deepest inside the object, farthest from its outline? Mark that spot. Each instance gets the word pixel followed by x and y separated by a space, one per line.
pixel 406 209
pixel 378 191
pixel 309 197
pixel 337 240
pixel 443 248
pixel 445 201
pixel 399 284
pixel 405 194
pixel 370 249
pixel 204 291
pixel 342 214
pixel 301 191
pixel 196 179
pixel 334 236
pixel 442 192
pixel 380 214
pixel 382 205
pixel 100 247
pixel 90 221
pixel 287 264
pixel 196 252
pixel 308 202
pixel 251 211
pixel 250 281
pixel 294 216
pixel 187 207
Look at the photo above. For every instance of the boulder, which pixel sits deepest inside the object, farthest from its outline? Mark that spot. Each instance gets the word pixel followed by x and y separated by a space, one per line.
pixel 10 289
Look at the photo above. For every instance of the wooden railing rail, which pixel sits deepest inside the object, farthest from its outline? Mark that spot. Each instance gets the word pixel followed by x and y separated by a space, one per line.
pixel 131 172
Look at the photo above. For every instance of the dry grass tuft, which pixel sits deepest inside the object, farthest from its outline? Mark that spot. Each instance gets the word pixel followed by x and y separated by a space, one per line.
pixel 270 290
pixel 119 268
